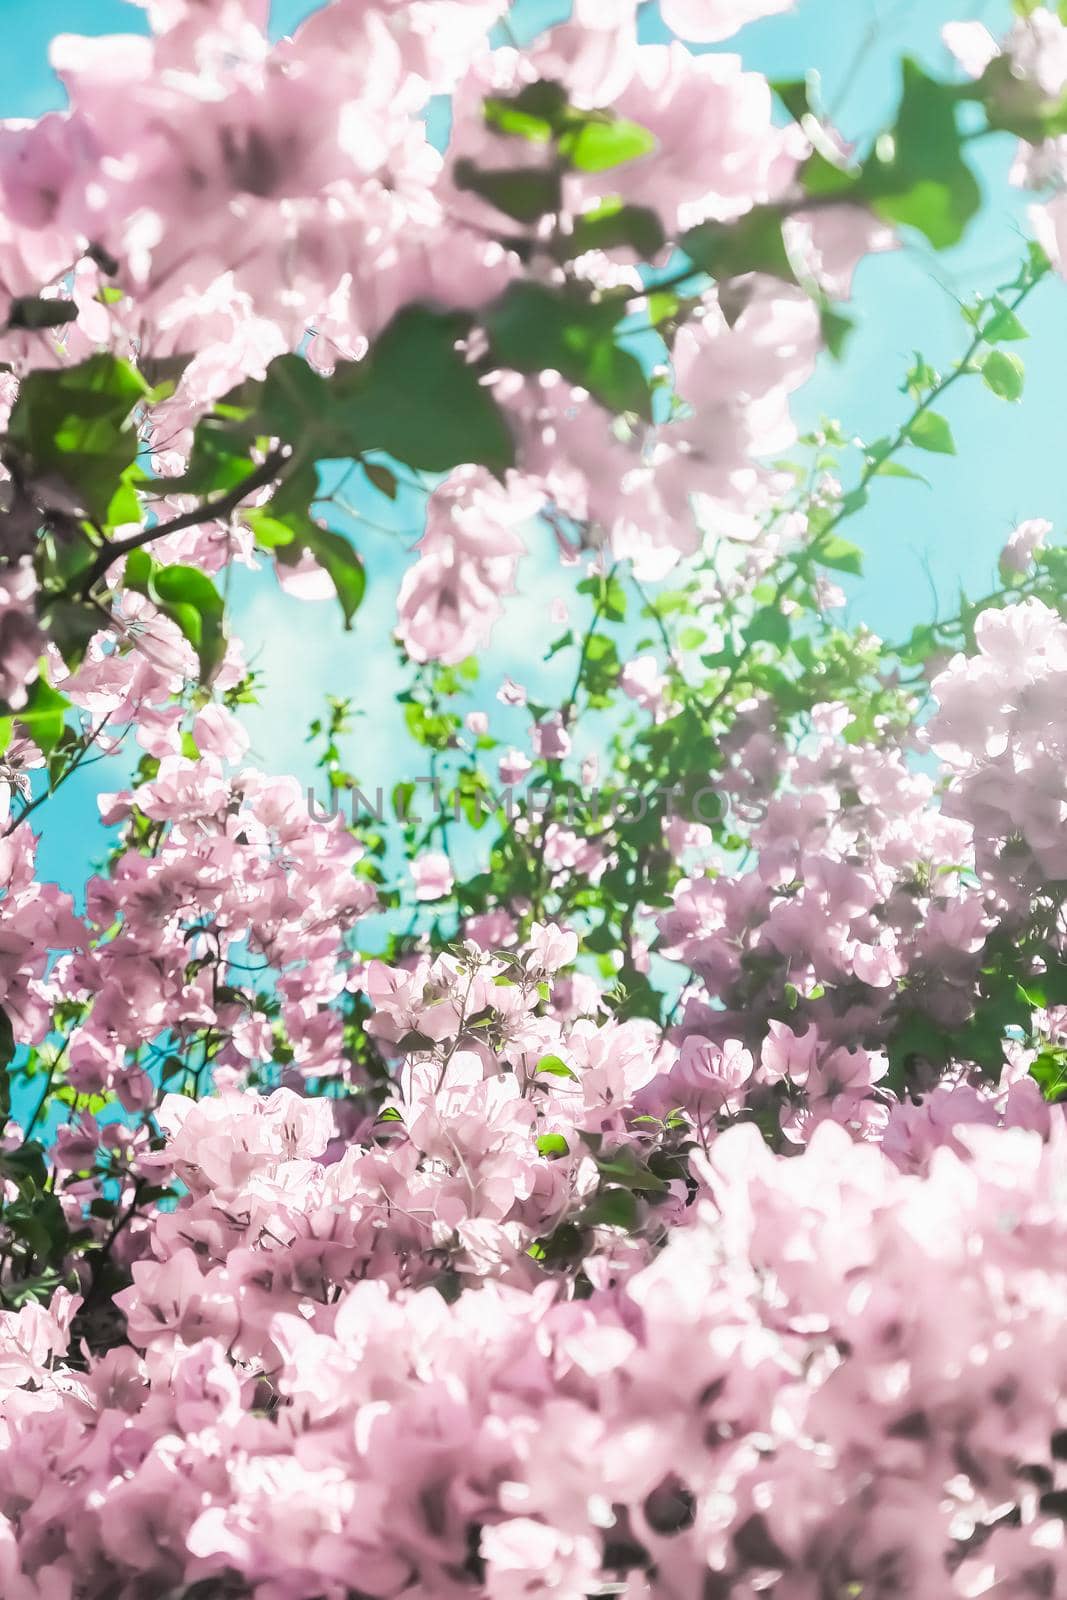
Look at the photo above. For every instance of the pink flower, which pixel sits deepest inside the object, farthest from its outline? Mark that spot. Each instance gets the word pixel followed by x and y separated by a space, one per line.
pixel 551 741
pixel 708 21
pixel 1018 553
pixel 432 873
pixel 551 947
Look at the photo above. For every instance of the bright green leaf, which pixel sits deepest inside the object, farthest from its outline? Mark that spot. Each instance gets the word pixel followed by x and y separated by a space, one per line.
pixel 1004 373
pixel 42 717
pixel 555 1067
pixel 552 1144
pixel 595 145
pixel 931 432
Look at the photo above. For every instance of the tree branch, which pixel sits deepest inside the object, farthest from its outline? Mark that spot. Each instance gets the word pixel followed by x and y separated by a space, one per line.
pixel 209 511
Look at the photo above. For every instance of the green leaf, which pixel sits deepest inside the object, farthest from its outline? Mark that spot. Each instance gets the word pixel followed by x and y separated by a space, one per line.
pixel 752 244
pixel 1049 1072
pixel 836 329
pixel 1005 374
pixel 533 328
pixel 600 142
pixel 523 193
pixel 795 95
pixel 592 141
pixel 931 432
pixel 537 112
pixel 770 625
pixel 623 1167
pixel 75 422
pixel 293 398
pixel 614 225
pixel 839 554
pixel 896 469
pixel 70 626
pixel 415 397
pixel 42 717
pixel 287 527
pixel 917 174
pixel 1003 326
pixel 189 598
pixel 339 559
pixel 611 1208
pixel 555 1067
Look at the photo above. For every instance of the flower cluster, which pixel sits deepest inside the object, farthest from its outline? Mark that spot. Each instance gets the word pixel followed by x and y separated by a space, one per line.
pixel 833 1377
pixel 672 1205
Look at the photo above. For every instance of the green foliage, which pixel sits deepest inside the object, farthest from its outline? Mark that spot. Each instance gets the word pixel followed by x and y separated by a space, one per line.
pixel 753 244
pixel 613 224
pixel 930 431
pixel 42 717
pixel 287 528
pixel 522 193
pixel 589 141
pixel 915 173
pixel 533 328
pixel 418 399
pixel 189 598
pixel 76 423
pixel 1004 374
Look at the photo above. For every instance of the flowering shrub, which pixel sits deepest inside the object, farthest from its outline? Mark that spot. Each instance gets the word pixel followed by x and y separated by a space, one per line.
pixel 654 1188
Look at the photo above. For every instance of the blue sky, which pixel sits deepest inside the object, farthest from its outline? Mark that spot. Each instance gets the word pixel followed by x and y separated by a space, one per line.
pixel 921 544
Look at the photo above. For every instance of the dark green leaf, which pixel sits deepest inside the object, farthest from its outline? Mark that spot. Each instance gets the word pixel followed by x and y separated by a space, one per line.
pixel 287 527
pixel 623 1167
pixel 768 624
pixel 611 1208
pixel 533 328
pixel 338 558
pixel 752 244
pixel 383 480
pixel 795 95
pixel 917 174
pixel 613 226
pixel 75 422
pixel 416 398
pixel 523 193
pixel 836 329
